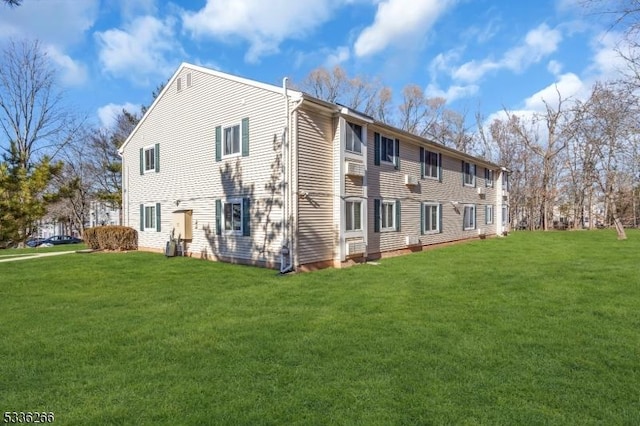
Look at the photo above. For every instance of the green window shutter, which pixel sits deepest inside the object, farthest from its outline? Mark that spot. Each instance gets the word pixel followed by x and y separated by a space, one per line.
pixel 142 217
pixel 422 207
pixel 141 161
pixel 218 143
pixel 398 216
pixel 376 215
pixel 157 151
pixel 376 149
pixel 440 218
pixel 397 157
pixel 440 167
pixel 246 217
pixel 218 217
pixel 422 162
pixel 245 137
pixel 158 218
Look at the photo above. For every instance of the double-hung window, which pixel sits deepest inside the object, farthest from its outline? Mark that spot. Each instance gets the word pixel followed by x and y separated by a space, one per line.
pixel 431 218
pixel 431 164
pixel 469 174
pixel 353 215
pixel 231 140
pixel 488 178
pixel 387 149
pixel 469 217
pixel 150 217
pixel 488 213
pixel 505 215
pixel 150 159
pixel 354 138
pixel 387 215
pixel 233 217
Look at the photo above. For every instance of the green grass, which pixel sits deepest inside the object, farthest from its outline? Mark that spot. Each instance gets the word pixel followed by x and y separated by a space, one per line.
pixel 535 328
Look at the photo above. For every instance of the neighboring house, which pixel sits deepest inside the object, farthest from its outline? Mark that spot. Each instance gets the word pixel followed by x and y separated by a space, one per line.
pixel 102 214
pixel 252 173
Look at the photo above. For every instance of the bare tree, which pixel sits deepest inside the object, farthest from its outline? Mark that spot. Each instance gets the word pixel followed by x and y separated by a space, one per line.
pixel 12 3
pixel 31 110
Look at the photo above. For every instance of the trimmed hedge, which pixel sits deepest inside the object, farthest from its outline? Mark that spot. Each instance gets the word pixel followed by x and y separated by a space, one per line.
pixel 111 238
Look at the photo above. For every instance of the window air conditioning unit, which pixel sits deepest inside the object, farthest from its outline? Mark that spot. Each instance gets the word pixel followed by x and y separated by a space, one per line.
pixel 412 240
pixel 410 180
pixel 505 197
pixel 482 191
pixel 354 169
pixel 355 247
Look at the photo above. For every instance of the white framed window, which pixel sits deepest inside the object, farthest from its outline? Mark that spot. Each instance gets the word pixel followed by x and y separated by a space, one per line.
pixel 231 138
pixel 431 164
pixel 469 174
pixel 488 213
pixel 387 215
pixel 505 215
pixel 431 218
pixel 353 215
pixel 387 149
pixel 353 138
pixel 232 217
pixel 150 159
pixel 150 217
pixel 488 178
pixel 469 217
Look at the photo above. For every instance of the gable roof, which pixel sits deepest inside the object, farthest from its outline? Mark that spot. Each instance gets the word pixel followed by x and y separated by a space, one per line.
pixel 185 65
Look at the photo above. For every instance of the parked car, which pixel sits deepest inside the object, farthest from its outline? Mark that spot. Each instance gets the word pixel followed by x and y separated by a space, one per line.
pixel 34 242
pixel 60 239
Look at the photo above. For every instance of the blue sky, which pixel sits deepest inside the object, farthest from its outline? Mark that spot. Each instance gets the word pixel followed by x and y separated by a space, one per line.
pixel 478 54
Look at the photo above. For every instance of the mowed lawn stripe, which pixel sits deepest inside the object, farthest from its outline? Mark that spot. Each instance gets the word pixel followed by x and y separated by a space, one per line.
pixel 533 328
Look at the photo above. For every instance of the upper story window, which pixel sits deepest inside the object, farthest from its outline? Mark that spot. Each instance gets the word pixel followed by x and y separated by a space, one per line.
pixel 354 138
pixel 387 149
pixel 150 159
pixel 231 140
pixel 488 177
pixel 505 181
pixel 469 174
pixel 431 164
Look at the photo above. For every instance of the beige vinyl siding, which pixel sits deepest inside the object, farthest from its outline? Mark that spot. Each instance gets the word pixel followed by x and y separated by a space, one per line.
pixel 317 230
pixel 183 123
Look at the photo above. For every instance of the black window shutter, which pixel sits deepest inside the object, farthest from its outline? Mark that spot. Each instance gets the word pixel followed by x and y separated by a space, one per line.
pixel 440 218
pixel 246 217
pixel 218 143
pixel 245 137
pixel 141 161
pixel 218 217
pixel 157 154
pixel 475 177
pixel 158 218
pixel 142 217
pixel 422 216
pixel 376 149
pixel 475 217
pixel 463 172
pixel 422 171
pixel 398 215
pixel 440 167
pixel 376 215
pixel 397 155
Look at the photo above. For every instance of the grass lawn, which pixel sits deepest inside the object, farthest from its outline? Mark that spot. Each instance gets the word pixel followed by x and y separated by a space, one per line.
pixel 535 328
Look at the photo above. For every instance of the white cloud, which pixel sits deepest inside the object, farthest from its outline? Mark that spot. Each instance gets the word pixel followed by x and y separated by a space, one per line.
pixel 263 24
pixel 397 21
pixel 337 57
pixel 538 43
pixel 60 22
pixel 568 86
pixel 453 93
pixel 108 113
pixel 140 49
pixel 607 63
pixel 554 67
pixel 73 73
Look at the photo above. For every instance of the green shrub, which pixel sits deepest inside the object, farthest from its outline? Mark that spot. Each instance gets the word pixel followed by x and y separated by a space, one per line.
pixel 111 238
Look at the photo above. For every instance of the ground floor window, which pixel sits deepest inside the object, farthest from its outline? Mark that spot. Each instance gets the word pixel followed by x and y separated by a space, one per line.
pixel 431 218
pixel 469 220
pixel 488 212
pixel 353 215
